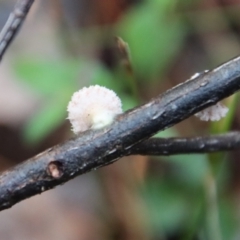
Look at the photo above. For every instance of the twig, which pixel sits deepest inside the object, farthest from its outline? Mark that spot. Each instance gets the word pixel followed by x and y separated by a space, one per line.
pixel 95 149
pixel 13 24
pixel 125 57
pixel 171 146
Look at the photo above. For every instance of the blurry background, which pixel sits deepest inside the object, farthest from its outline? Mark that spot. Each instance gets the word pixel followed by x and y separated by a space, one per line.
pixel 67 44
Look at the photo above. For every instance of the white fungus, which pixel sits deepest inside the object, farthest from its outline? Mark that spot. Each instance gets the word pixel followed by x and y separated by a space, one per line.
pixel 93 107
pixel 213 113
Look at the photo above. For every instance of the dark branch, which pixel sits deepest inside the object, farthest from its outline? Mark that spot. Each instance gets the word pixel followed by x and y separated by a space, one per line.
pixel 13 24
pixel 171 146
pixel 95 149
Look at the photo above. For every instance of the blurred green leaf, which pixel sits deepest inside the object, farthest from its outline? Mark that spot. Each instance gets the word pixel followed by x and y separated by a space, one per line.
pixel 47 77
pixel 49 117
pixel 154 36
pixel 55 81
pixel 228 219
pixel 45 121
pixel 171 206
pixel 190 168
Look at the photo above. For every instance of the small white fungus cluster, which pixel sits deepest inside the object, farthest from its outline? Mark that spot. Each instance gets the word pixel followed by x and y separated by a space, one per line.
pixel 213 113
pixel 93 107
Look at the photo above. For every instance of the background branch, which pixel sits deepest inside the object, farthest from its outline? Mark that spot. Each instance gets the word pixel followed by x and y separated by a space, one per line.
pixel 94 149
pixel 13 24
pixel 171 146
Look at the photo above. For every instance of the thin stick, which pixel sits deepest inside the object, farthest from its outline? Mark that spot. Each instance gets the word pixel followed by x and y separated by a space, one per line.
pixel 171 146
pixel 13 24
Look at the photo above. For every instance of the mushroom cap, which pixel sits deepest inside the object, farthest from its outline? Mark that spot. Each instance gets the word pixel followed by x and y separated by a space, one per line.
pixel 213 113
pixel 93 107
